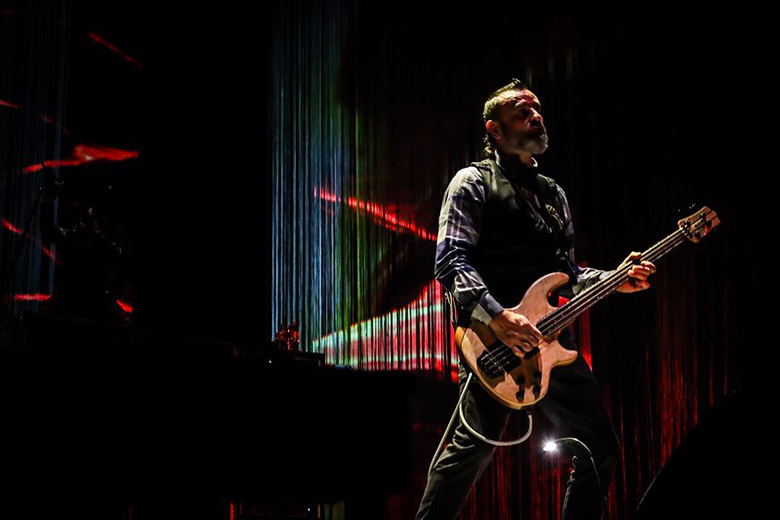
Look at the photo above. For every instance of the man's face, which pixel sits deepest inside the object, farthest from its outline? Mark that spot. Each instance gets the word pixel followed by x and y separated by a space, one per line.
pixel 520 126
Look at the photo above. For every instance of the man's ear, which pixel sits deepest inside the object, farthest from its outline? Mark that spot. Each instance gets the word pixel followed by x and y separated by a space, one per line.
pixel 493 128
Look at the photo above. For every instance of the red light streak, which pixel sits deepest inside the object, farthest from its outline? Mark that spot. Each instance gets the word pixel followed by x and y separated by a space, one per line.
pixel 93 153
pixel 11 227
pixel 99 39
pixel 18 231
pixel 125 306
pixel 44 297
pixel 49 253
pixel 4 103
pixel 83 154
pixel 44 118
pixel 32 297
pixel 387 217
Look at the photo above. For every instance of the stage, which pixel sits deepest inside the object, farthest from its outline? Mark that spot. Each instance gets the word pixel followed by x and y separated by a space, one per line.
pixel 221 227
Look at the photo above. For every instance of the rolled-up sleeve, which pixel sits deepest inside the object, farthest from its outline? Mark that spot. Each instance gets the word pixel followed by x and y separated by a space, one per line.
pixel 460 222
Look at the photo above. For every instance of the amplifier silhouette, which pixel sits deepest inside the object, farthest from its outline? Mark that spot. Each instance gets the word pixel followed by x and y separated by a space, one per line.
pixel 720 470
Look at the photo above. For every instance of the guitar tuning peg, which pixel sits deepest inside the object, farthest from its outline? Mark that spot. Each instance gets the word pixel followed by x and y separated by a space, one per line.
pixel 685 227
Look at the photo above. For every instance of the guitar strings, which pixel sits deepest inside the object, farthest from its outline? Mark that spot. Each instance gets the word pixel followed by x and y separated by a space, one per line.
pixel 564 315
pixel 561 316
pixel 605 287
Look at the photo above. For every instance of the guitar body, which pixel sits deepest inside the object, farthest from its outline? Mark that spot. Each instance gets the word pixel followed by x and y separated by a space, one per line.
pixel 518 381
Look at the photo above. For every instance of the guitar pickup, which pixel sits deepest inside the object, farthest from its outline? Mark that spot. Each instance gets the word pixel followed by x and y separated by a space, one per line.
pixel 498 361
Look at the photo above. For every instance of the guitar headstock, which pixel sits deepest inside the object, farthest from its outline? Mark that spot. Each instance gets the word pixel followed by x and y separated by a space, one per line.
pixel 696 226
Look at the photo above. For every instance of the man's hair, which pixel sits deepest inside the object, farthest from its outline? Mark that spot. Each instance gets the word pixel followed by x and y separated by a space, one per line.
pixel 493 103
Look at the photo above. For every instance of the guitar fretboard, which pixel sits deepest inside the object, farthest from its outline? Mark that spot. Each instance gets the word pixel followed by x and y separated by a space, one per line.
pixel 567 313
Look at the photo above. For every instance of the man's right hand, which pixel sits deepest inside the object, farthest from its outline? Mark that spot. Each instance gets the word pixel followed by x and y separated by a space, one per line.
pixel 515 330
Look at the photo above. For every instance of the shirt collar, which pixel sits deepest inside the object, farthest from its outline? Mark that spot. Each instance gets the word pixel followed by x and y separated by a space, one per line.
pixel 516 167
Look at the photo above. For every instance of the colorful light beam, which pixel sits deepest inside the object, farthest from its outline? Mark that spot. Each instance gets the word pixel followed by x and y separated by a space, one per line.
pixel 386 217
pixel 396 340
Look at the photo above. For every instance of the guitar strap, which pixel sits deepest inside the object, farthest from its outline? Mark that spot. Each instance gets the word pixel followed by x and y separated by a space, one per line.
pixel 552 212
pixel 553 215
pixel 550 209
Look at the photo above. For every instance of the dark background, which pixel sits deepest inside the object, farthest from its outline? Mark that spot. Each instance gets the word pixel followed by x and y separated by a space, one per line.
pixel 649 109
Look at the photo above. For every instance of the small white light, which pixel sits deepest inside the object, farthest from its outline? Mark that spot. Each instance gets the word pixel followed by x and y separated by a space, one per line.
pixel 550 447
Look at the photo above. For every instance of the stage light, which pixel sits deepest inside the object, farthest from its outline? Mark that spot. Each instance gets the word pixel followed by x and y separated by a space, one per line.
pixel 580 448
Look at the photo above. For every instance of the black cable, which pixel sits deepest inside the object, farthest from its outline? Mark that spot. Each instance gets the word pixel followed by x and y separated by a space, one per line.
pixel 575 440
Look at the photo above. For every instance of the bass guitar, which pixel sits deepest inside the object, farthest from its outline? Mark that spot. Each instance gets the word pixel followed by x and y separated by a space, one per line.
pixel 518 379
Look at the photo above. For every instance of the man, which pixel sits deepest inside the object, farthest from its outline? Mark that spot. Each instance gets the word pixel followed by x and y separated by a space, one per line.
pixel 502 226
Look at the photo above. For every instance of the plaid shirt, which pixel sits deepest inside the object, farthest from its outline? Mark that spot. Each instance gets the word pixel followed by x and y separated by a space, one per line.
pixel 459 228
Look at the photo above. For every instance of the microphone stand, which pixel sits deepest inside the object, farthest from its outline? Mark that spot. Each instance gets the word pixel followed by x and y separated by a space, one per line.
pixel 579 443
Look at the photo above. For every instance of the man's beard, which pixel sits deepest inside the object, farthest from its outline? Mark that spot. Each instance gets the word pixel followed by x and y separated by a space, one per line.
pixel 535 144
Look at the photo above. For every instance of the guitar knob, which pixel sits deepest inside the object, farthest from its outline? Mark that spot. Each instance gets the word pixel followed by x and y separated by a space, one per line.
pixel 520 395
pixel 537 390
pixel 521 380
pixel 537 374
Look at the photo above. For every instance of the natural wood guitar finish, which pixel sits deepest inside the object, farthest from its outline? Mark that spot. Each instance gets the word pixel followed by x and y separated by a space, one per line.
pixel 517 379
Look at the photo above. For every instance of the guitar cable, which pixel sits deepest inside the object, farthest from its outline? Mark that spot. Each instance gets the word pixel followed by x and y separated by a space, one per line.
pixel 459 411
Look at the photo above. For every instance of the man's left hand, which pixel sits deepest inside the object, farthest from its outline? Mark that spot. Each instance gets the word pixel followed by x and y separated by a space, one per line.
pixel 638 274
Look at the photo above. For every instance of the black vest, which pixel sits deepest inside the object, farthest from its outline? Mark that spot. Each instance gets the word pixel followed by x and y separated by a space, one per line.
pixel 517 243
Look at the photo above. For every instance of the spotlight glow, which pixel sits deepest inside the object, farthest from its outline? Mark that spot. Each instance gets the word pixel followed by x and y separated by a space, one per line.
pixel 550 447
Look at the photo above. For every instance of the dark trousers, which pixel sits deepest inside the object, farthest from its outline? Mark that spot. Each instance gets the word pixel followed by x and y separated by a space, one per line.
pixel 574 406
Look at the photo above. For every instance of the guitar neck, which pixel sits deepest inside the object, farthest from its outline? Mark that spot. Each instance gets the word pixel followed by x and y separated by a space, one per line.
pixel 567 313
